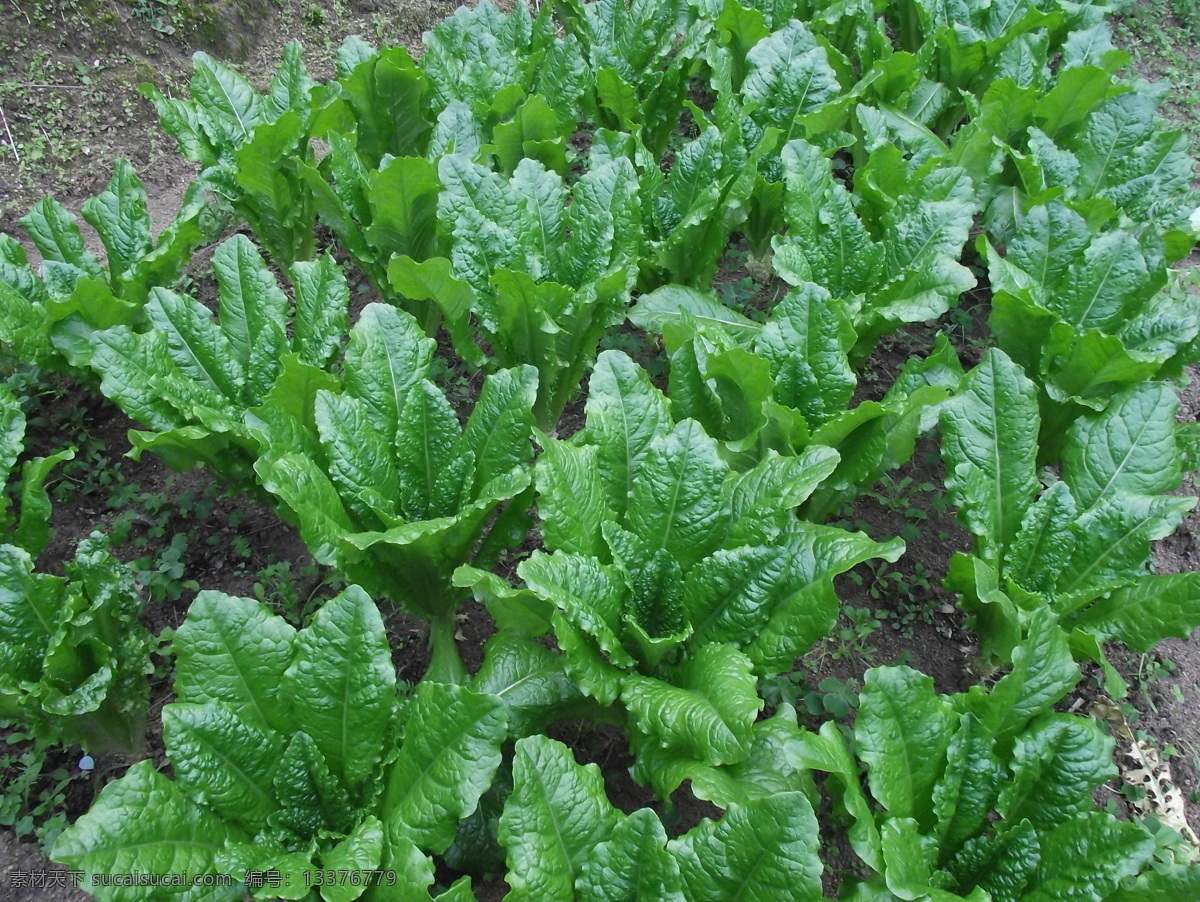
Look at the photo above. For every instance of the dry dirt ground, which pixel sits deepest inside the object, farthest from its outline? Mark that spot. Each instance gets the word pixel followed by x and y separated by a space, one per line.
pixel 69 71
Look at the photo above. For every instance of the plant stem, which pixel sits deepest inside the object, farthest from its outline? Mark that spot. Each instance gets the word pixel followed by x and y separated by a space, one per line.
pixel 445 665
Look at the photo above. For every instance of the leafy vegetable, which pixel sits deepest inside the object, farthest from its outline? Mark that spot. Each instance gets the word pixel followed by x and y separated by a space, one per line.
pixel 543 272
pixel 566 841
pixel 675 580
pixel 47 319
pixel 1081 547
pixel 383 481
pixel 785 386
pixel 251 146
pixel 191 381
pixel 287 757
pixel 73 654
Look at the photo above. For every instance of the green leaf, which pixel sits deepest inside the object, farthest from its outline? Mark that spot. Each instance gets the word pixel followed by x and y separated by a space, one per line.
pixel 359 852
pixel 625 412
pixel 56 234
pixel 826 242
pixel 501 423
pixel 727 594
pixel 706 705
pixel 251 310
pixel 806 342
pixel 672 304
pixel 830 753
pixel 312 500
pixel 528 677
pixel 33 527
pixel 1102 288
pixel 787 75
pixel 903 731
pixel 1056 764
pixel 311 797
pixel 230 107
pixel 223 761
pixel 341 685
pixel 553 821
pixel 403 198
pixel 387 355
pixel 1043 672
pixel 322 309
pixel 234 651
pixel 1088 857
pixel 199 349
pixel 633 865
pixel 675 504
pixel 120 219
pixel 908 857
pixel 426 445
pixel 359 458
pixel 761 851
pixel 571 503
pixel 291 88
pixel 1145 613
pixel 590 595
pixel 1130 448
pixel 966 793
pixel 990 446
pixel 143 823
pixel 1045 542
pixel 450 753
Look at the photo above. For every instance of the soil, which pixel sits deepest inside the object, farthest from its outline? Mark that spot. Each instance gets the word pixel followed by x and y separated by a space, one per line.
pixel 68 94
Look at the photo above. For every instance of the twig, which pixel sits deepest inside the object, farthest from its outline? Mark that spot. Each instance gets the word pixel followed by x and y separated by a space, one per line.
pixel 21 11
pixel 11 142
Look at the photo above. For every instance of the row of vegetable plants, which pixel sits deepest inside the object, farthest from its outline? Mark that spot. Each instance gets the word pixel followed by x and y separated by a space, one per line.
pixel 531 183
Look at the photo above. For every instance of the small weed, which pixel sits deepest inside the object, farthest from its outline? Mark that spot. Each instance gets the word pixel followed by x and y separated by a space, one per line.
pixel 34 787
pixel 829 698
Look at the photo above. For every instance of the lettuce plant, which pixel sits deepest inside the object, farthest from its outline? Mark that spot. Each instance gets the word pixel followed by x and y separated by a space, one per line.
pixel 498 85
pixel 47 319
pixel 291 752
pixel 986 794
pixel 786 384
pixel 251 146
pixel 640 58
pixel 542 271
pixel 897 265
pixel 566 841
pixel 190 381
pixel 1085 313
pixel 384 482
pixel 378 213
pixel 73 654
pixel 672 579
pixel 73 670
pixel 1078 547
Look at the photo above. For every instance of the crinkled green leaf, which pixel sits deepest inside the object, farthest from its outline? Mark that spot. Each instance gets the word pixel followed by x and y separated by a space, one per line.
pixel 322 309
pixel 341 684
pixel 760 851
pixel 1056 764
pixel 233 651
pixel 222 761
pixel 903 730
pixel 143 823
pixel 553 821
pixel 990 446
pixel 676 499
pixel 119 217
pixel 450 752
pixel 706 705
pixel 632 865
